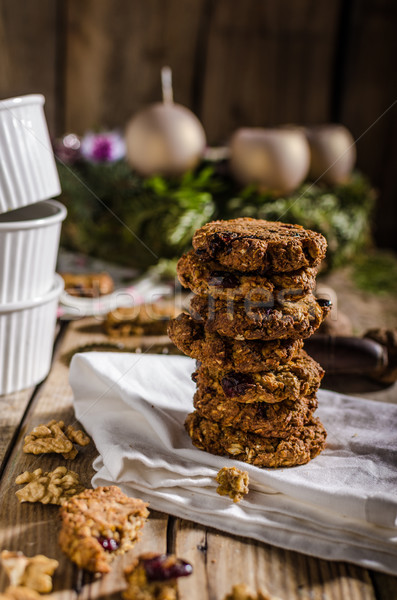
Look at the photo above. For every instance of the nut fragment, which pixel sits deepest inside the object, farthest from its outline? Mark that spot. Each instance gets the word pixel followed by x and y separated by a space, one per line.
pixel 244 592
pixel 53 487
pixel 232 482
pixel 34 573
pixel 77 436
pixel 52 437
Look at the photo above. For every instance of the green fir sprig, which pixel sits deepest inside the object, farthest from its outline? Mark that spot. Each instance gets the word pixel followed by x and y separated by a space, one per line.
pixel 115 214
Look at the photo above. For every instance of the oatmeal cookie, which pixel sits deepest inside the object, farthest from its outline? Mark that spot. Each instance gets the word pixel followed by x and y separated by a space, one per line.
pixel 247 244
pixel 209 277
pixel 261 418
pixel 88 285
pixel 98 524
pixel 297 449
pixel 141 319
pixel 250 321
pixel 300 377
pixel 219 352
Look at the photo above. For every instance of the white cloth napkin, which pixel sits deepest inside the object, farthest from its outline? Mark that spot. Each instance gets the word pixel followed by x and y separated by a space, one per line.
pixel 340 506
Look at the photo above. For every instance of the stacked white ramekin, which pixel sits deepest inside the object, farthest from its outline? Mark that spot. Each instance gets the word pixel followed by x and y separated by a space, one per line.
pixel 30 226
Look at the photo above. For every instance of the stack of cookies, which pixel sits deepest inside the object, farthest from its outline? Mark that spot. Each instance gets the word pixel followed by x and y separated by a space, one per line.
pixel 253 306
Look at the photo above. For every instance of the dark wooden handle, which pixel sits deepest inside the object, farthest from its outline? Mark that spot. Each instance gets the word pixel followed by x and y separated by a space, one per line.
pixel 337 354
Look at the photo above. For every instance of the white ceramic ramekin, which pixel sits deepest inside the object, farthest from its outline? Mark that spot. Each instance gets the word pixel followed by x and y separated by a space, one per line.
pixel 29 241
pixel 27 332
pixel 28 171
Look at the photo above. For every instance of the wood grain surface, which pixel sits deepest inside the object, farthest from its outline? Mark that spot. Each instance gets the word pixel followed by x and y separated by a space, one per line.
pixel 220 560
pixel 264 62
pixel 12 408
pixel 29 52
pixel 117 49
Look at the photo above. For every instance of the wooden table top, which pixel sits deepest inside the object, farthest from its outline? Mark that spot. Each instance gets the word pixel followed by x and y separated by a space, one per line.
pixel 220 560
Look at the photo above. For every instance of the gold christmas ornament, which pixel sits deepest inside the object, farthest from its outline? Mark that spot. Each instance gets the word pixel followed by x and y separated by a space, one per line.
pixel 277 160
pixel 165 138
pixel 333 153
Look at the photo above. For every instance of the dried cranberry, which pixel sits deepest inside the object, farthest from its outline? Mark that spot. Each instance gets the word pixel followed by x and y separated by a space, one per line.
pixel 324 302
pixel 219 241
pixel 236 384
pixel 163 567
pixel 262 409
pixel 108 544
pixel 223 279
pixel 194 376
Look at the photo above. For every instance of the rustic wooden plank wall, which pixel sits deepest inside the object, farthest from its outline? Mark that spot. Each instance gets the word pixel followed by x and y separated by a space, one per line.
pixel 257 62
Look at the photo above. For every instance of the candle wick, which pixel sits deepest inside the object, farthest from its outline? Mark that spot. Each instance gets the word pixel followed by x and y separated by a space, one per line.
pixel 166 85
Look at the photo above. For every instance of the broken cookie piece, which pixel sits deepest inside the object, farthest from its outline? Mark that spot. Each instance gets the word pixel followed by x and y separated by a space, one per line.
pixel 99 524
pixel 53 437
pixel 233 483
pixel 34 573
pixel 153 577
pixel 52 487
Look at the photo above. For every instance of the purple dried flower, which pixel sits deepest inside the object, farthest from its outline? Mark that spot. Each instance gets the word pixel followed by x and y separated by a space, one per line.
pixel 107 146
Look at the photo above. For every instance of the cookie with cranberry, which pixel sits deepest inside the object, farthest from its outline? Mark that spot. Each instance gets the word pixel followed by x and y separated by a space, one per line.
pixel 261 321
pixel 300 377
pixel 220 352
pixel 261 418
pixel 247 244
pixel 99 524
pixel 298 448
pixel 209 277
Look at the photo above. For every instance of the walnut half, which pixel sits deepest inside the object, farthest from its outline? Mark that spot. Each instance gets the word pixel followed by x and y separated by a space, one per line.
pixel 34 573
pixel 16 592
pixel 52 437
pixel 52 487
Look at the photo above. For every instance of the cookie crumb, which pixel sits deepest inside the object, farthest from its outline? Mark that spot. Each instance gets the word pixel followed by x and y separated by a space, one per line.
pixel 233 483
